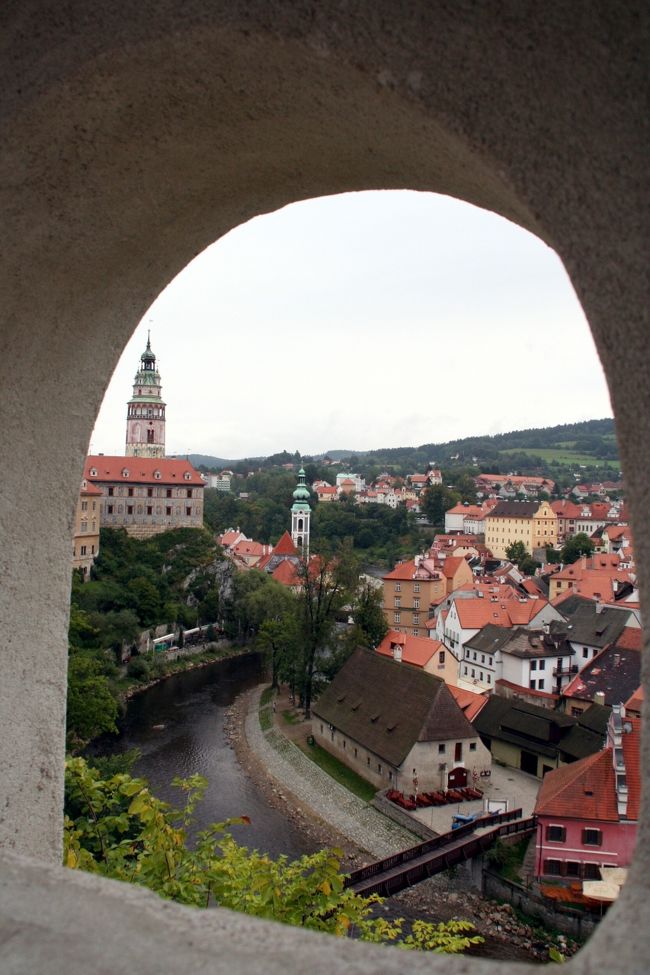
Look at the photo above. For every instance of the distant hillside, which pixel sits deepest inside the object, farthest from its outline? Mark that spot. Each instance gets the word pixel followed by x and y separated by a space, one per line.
pixel 588 446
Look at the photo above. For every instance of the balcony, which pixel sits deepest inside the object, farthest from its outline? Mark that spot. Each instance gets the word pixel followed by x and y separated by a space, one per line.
pixel 566 670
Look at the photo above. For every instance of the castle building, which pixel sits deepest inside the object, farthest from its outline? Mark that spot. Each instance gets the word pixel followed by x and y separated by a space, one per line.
pixel 143 491
pixel 85 538
pixel 145 418
pixel 146 495
pixel 301 516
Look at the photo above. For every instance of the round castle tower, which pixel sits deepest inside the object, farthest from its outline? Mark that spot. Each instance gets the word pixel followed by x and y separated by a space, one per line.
pixel 145 419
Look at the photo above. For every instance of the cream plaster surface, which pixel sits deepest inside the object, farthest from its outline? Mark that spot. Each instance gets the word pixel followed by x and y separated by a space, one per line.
pixel 134 135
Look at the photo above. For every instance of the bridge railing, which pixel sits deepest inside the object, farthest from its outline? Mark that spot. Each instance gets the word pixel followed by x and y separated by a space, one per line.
pixel 396 878
pixel 411 853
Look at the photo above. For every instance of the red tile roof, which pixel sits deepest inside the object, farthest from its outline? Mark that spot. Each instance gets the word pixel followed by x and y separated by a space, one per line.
pixel 450 565
pixel 416 650
pixel 630 639
pixel 525 691
pixel 90 491
pixel 141 470
pixel 473 510
pixel 469 702
pixel 287 574
pixel 586 789
pixel 474 614
pixel 285 546
pixel 635 703
pixel 246 548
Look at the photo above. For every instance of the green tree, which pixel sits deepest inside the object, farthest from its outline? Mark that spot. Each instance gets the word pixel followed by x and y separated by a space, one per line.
pixel 328 583
pixel 117 828
pixel 574 548
pixel 92 708
pixel 368 615
pixel 279 637
pixel 437 499
pixel 516 552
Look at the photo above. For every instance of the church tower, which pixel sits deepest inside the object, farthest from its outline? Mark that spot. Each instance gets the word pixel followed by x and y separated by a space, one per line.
pixel 145 418
pixel 300 516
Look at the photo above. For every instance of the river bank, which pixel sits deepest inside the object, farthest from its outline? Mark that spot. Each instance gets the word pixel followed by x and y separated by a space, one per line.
pixel 442 898
pixel 180 665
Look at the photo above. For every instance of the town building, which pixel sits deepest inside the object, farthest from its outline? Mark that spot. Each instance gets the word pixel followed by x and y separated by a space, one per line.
pixel 528 659
pixel 413 588
pixel 536 739
pixel 85 533
pixel 509 485
pixel 431 655
pixel 220 482
pixel 146 495
pixel 587 812
pixel 611 677
pixel 145 418
pixel 349 483
pixel 531 522
pixel 394 724
pixel 466 617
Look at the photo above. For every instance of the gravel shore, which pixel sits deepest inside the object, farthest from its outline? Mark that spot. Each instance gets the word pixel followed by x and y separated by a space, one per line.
pixel 270 760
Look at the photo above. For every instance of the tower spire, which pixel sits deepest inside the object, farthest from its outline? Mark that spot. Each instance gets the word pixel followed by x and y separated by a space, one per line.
pixel 301 516
pixel 145 418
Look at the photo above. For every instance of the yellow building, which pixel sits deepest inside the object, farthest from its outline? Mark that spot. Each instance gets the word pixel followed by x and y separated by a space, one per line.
pixel 85 539
pixel 532 522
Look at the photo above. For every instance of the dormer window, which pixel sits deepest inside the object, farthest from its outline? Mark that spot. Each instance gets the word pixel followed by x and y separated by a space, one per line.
pixel 93 472
pixel 125 472
pixel 157 475
pixel 187 476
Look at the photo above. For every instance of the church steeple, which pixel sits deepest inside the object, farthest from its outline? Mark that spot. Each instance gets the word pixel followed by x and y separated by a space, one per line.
pixel 301 516
pixel 145 418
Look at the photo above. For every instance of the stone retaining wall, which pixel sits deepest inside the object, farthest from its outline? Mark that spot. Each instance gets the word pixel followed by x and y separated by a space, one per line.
pixel 577 924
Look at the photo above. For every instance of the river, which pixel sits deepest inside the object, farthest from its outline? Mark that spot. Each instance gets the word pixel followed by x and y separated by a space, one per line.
pixel 178 727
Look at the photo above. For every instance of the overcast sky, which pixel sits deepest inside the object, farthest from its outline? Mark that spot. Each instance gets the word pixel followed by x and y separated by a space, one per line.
pixel 379 319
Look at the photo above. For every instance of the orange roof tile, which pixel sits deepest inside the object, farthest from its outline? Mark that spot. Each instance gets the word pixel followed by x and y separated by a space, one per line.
pixel 416 650
pixel 474 614
pixel 286 574
pixel 469 702
pixel 285 546
pixel 141 470
pixel 635 702
pixel 586 789
pixel 451 564
pixel 91 491
pixel 631 638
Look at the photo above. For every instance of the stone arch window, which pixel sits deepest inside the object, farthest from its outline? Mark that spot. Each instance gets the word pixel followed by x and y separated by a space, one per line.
pixel 393 107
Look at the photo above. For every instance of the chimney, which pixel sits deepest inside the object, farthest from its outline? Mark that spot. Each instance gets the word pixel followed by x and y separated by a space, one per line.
pixel 547 628
pixel 397 653
pixel 599 697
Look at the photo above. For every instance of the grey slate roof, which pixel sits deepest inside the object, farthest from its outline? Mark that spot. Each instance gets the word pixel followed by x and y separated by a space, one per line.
pixel 514 509
pixel 539 730
pixel 387 707
pixel 519 642
pixel 586 625
pixel 615 671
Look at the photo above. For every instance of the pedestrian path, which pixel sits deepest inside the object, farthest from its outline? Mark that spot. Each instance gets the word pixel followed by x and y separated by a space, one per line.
pixel 349 815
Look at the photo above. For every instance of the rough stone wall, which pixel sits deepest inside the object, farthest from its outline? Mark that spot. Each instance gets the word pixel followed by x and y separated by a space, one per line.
pixel 134 135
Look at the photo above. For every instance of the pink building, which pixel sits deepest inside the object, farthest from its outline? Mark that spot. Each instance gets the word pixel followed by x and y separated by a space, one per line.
pixel 587 811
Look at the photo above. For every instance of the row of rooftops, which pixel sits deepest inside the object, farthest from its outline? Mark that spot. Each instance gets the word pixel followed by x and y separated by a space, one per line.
pixel 109 469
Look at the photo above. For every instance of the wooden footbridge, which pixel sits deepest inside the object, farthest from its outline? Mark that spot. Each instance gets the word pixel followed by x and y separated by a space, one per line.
pixel 411 866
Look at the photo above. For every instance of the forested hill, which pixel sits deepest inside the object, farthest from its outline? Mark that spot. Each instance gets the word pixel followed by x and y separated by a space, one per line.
pixel 589 444
pixel 593 439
